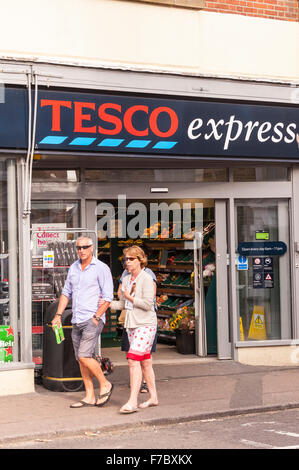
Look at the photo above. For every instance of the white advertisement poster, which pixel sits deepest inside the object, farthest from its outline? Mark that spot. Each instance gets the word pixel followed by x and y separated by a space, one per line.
pixel 42 234
pixel 48 259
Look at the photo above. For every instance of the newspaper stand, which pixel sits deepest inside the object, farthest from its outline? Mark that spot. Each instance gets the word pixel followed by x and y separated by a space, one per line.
pixel 50 264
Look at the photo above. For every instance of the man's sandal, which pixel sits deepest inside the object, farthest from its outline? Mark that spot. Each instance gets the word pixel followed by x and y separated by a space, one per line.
pixel 81 404
pixel 105 395
pixel 144 388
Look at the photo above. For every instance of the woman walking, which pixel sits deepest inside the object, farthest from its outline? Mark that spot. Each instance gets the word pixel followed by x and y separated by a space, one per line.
pixel 137 298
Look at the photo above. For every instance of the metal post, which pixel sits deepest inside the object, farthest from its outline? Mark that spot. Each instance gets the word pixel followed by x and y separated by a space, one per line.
pixel 199 298
pixel 12 252
pixel 235 322
pixel 25 274
pixel 26 285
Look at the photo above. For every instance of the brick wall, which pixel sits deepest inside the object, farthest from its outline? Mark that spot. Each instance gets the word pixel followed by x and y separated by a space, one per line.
pixel 287 10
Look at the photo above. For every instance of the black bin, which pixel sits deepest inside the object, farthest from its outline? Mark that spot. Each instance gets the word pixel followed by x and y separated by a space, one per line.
pixel 61 372
pixel 185 341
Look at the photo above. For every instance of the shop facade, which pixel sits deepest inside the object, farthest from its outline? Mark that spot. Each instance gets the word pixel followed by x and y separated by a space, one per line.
pixel 153 166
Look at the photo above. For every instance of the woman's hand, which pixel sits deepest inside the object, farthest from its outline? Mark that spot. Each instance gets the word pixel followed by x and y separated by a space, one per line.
pixel 128 296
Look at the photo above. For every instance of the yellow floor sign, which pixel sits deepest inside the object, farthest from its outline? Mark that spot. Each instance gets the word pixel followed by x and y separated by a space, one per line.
pixel 241 330
pixel 257 328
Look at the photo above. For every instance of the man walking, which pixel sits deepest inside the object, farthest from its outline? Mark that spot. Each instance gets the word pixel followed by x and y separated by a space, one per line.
pixel 89 281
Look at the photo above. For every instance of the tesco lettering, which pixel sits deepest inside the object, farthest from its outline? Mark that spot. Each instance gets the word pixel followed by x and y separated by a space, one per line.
pixel 113 114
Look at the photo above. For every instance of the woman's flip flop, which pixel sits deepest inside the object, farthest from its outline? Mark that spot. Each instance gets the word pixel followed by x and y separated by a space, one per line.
pixel 127 409
pixel 147 404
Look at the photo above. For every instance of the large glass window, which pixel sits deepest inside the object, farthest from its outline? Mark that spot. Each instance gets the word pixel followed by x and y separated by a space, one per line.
pixel 50 221
pixel 169 175
pixel 9 289
pixel 55 212
pixel 264 173
pixel 55 176
pixel 263 269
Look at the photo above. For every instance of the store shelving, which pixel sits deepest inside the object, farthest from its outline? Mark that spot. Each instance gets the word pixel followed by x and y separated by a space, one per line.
pixel 4 289
pixel 47 284
pixel 173 267
pixel 109 253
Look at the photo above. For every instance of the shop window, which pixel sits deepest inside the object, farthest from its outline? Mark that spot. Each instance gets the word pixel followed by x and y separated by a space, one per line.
pixel 9 288
pixel 50 221
pixel 55 212
pixel 261 174
pixel 55 176
pixel 263 269
pixel 168 175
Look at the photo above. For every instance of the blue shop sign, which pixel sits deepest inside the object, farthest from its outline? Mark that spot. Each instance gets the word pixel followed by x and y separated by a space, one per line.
pixel 242 263
pixel 117 123
pixel 262 248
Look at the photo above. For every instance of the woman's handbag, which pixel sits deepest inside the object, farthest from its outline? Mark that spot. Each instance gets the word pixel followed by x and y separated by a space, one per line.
pixel 122 317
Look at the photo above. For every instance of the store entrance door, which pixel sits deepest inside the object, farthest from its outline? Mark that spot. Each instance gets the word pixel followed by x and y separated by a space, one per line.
pixel 165 228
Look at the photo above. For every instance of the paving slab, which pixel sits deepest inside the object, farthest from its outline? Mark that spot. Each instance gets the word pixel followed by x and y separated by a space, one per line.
pixel 187 390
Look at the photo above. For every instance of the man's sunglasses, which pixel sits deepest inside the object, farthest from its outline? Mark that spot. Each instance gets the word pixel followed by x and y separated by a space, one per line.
pixel 129 258
pixel 84 247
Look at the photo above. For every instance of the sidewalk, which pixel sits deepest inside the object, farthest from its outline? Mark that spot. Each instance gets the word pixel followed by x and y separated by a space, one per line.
pixel 190 389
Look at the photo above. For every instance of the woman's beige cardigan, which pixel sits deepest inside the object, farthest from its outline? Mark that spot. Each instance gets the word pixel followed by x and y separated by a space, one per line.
pixel 143 312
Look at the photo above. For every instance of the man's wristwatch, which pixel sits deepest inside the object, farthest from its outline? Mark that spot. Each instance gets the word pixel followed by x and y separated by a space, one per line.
pixel 97 318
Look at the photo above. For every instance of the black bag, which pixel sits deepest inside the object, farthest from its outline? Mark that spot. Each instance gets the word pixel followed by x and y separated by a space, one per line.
pixel 106 365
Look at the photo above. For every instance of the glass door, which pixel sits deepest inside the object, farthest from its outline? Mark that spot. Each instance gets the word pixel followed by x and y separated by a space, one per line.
pixel 165 228
pixel 125 214
pixel 263 269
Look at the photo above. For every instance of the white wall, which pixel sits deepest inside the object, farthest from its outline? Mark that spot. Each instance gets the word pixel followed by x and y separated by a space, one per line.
pixel 148 37
pixel 15 382
pixel 254 47
pixel 280 356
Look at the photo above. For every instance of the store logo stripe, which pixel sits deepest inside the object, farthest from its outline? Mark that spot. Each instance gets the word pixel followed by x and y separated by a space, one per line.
pixel 138 144
pixel 82 141
pixel 164 144
pixel 53 139
pixel 110 142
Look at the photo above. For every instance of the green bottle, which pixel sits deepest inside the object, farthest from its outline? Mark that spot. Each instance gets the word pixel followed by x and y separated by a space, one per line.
pixel 59 334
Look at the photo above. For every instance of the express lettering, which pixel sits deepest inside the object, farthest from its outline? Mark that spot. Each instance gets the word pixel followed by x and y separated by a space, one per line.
pixel 234 130
pixel 113 114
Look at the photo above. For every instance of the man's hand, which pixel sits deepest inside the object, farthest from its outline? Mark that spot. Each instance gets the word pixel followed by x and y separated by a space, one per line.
pixel 63 303
pixel 102 307
pixel 56 321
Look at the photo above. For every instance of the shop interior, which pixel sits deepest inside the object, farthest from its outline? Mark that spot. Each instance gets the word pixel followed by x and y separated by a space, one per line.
pixel 168 244
pixel 169 249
